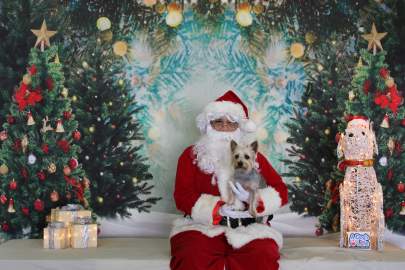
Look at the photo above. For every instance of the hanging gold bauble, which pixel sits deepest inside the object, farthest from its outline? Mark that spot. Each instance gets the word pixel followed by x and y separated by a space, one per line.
pixel 65 92
pixel 3 169
pixel 174 16
pixel 120 48
pixel 244 18
pixel 297 50
pixel 310 38
pixel 100 200
pixel 160 8
pixel 52 168
pixel 258 8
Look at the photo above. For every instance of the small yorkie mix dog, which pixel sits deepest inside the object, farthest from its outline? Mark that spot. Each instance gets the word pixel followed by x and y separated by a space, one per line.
pixel 243 160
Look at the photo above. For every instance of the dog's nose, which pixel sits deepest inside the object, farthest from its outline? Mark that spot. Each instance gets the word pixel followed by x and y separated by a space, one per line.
pixel 240 164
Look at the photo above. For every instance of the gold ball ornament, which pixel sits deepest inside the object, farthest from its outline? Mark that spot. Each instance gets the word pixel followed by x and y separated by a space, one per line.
pixel 100 200
pixel 160 8
pixel 310 38
pixel 306 139
pixel 65 92
pixel 120 48
pixel 149 3
pixel 106 35
pixel 52 168
pixel 319 67
pixel 297 50
pixel 258 8
pixel 27 79
pixel 243 16
pixel 309 101
pixel 134 180
pixel 3 169
pixel 103 23
pixel 92 129
pixel 327 131
pixel 390 82
pixel 74 98
pixel 121 82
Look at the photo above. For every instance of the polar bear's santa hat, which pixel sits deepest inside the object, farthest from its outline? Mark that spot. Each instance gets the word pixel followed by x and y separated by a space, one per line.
pixel 230 106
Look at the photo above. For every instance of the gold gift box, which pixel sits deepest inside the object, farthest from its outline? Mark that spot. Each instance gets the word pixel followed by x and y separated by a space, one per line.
pixel 67 216
pixel 56 238
pixel 83 235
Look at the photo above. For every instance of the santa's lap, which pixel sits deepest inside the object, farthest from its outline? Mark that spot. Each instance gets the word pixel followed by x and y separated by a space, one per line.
pixel 194 250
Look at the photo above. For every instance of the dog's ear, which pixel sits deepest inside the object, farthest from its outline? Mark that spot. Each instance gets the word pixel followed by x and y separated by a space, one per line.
pixel 233 145
pixel 254 146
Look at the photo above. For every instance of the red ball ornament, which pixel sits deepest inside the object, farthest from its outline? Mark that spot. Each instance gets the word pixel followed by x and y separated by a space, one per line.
pixel 10 119
pixel 67 171
pixel 76 135
pixel 49 83
pixel 3 199
pixel 389 212
pixel 384 73
pixel 32 70
pixel 401 187
pixel 64 145
pixel 3 135
pixel 39 205
pixel 73 163
pixel 390 174
pixel 41 175
pixel 403 122
pixel 45 148
pixel 319 231
pixel 5 227
pixel 25 211
pixel 24 173
pixel 17 145
pixel 330 82
pixel 366 86
pixel 67 115
pixel 12 185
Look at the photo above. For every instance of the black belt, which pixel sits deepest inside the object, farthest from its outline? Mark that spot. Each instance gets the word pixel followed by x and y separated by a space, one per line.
pixel 236 222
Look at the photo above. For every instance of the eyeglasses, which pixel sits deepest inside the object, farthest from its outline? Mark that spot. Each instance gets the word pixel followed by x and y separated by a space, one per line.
pixel 222 124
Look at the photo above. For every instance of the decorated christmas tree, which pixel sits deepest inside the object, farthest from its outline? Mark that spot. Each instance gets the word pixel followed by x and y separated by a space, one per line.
pixel 111 136
pixel 39 169
pixel 313 131
pixel 374 94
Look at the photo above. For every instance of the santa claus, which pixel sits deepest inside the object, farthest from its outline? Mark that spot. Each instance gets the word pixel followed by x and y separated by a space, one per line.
pixel 212 234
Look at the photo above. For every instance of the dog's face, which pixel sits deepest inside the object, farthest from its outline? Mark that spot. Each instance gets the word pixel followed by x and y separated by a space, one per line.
pixel 243 156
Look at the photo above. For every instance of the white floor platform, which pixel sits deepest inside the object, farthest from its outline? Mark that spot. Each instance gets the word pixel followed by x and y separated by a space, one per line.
pixel 148 253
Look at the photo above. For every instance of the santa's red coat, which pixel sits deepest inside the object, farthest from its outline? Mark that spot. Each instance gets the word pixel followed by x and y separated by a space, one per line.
pixel 196 196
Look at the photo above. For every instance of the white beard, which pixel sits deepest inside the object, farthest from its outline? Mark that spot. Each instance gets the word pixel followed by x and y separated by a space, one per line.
pixel 214 149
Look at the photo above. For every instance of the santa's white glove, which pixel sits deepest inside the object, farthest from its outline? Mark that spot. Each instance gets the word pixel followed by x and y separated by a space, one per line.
pixel 240 193
pixel 227 211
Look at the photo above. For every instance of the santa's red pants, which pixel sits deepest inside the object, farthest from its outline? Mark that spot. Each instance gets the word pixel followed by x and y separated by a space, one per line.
pixel 192 250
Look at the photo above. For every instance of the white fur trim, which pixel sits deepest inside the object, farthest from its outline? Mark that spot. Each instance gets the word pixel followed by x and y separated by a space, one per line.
pixel 218 109
pixel 202 209
pixel 271 200
pixel 240 236
pixel 187 224
pixel 248 126
pixel 237 237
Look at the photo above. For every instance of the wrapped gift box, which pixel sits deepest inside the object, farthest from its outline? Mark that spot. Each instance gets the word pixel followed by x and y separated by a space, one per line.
pixel 83 235
pixel 56 236
pixel 68 214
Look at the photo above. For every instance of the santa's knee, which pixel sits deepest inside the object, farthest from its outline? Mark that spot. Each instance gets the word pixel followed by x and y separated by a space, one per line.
pixel 264 250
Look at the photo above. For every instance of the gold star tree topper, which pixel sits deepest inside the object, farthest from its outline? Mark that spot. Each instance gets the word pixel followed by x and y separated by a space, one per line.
pixel 374 39
pixel 43 36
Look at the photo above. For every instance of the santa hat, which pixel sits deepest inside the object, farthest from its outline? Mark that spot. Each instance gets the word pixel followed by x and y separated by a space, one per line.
pixel 228 105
